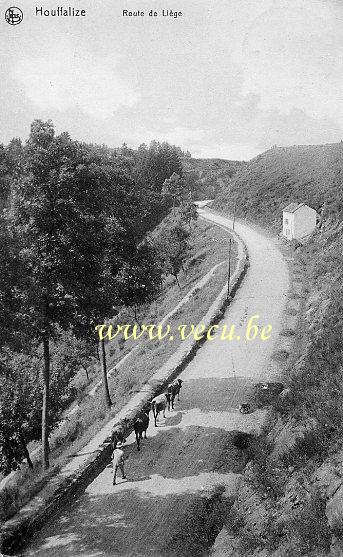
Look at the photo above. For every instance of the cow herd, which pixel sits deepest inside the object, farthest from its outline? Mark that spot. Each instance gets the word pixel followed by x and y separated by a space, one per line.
pixel 159 404
pixel 263 392
pixel 166 400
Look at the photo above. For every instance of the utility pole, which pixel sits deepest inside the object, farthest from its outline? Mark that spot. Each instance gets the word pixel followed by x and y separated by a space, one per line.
pixel 229 272
pixel 234 215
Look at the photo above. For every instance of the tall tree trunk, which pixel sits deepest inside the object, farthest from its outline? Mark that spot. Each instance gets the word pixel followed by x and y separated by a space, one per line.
pixel 177 280
pixel 25 449
pixel 45 409
pixel 104 373
pixel 135 313
pixel 86 370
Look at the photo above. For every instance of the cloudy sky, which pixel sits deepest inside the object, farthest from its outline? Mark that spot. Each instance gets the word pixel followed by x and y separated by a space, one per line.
pixel 229 79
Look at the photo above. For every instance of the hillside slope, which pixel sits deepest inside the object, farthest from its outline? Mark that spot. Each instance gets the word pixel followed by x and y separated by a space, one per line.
pixel 312 174
pixel 301 481
pixel 209 176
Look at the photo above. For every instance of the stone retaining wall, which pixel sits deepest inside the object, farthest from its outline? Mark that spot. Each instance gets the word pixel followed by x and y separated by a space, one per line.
pixel 72 480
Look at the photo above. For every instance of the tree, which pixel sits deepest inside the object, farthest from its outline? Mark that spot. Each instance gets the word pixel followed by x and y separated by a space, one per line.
pixel 9 299
pixel 157 163
pixel 174 187
pixel 21 403
pixel 74 353
pixel 188 213
pixel 141 278
pixel 74 217
pixel 191 183
pixel 105 297
pixel 11 166
pixel 57 217
pixel 173 248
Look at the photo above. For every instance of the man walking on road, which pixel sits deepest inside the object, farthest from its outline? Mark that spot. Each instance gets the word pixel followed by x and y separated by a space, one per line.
pixel 118 461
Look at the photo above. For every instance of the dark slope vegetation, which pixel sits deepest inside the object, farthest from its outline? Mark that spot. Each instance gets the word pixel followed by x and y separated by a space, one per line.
pixel 311 174
pixel 304 480
pixel 207 177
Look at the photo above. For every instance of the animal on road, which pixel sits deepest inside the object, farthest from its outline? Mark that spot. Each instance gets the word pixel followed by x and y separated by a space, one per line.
pixel 159 404
pixel 119 433
pixel 140 425
pixel 173 390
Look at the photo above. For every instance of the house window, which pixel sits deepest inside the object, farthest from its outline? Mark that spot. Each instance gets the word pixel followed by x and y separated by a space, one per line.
pixel 286 221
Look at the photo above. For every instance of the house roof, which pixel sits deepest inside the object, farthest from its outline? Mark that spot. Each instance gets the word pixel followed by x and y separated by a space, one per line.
pixel 292 207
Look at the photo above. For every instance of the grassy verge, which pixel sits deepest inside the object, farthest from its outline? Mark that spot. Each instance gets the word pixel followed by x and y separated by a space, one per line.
pixel 307 440
pixel 208 248
pixel 307 436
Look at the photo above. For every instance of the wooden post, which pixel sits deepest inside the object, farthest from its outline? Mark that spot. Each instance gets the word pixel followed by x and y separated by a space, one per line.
pixel 45 405
pixel 229 271
pixel 234 215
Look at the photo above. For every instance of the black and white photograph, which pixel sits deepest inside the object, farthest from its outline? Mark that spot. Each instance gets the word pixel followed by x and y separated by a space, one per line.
pixel 171 278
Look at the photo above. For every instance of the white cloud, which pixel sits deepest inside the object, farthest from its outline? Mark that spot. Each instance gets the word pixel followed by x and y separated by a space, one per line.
pixel 199 141
pixel 225 150
pixel 291 58
pixel 180 136
pixel 64 79
pixel 268 72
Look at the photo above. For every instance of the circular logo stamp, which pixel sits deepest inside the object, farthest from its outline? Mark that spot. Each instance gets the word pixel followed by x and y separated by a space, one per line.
pixel 14 15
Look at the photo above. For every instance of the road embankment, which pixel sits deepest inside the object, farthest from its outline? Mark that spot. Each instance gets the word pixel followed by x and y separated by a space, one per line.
pixel 82 469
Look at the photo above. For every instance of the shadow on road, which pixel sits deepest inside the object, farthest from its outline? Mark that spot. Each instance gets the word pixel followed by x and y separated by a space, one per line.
pixel 132 524
pixel 215 394
pixel 167 507
pixel 170 504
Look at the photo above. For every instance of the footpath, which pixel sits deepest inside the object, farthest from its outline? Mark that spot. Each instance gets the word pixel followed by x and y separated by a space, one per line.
pixel 88 463
pixel 36 453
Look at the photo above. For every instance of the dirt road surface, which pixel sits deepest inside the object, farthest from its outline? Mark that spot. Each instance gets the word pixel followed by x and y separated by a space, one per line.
pixel 168 505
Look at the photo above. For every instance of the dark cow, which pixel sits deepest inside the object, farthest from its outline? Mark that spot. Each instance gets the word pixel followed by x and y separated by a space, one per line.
pixel 173 390
pixel 119 434
pixel 140 425
pixel 159 404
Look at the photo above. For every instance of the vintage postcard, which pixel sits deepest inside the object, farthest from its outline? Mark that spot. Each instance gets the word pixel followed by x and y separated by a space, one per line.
pixel 171 294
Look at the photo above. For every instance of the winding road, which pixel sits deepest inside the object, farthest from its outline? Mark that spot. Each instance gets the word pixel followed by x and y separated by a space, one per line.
pixel 164 507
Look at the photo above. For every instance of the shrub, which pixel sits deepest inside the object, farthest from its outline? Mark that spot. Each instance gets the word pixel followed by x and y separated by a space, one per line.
pixel 309 527
pixel 337 527
pixel 234 520
pixel 273 534
pixel 287 332
pixel 264 476
pixel 280 355
pixel 311 444
pixel 13 497
pixel 248 542
pixel 127 382
pixel 9 502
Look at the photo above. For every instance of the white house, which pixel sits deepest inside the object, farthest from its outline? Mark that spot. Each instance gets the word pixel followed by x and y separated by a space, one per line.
pixel 299 220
